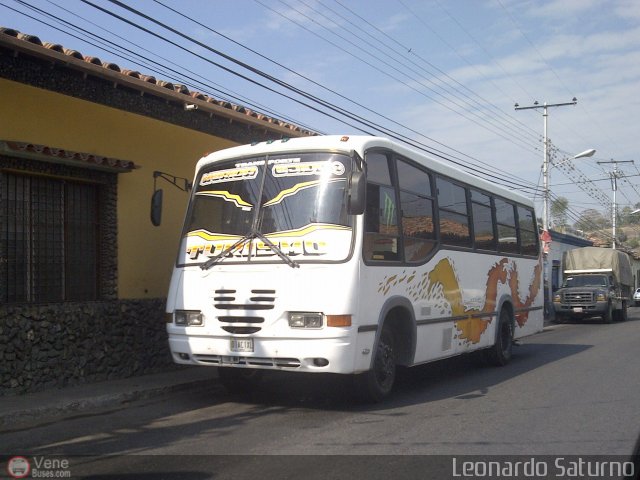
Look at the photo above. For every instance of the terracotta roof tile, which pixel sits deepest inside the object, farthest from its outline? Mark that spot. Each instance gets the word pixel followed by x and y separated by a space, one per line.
pixel 44 152
pixel 182 89
pixel 94 60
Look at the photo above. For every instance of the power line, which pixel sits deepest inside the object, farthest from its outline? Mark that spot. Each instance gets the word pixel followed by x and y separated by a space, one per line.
pixel 390 133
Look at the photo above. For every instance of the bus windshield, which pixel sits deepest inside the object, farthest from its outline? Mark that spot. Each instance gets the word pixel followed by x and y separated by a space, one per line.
pixel 297 201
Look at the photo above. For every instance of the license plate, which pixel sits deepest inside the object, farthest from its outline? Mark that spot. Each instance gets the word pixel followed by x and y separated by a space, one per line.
pixel 242 345
pixel 577 309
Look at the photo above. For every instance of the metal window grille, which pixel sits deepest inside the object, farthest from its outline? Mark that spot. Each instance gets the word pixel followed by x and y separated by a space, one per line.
pixel 49 234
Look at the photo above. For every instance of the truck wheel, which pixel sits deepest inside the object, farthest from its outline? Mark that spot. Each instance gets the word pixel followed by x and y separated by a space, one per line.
pixel 239 380
pixel 608 314
pixel 501 352
pixel 559 318
pixel 376 384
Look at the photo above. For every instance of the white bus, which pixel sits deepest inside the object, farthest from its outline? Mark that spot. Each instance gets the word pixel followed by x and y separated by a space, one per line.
pixel 349 255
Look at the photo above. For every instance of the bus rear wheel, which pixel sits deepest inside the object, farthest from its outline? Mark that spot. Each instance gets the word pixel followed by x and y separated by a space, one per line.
pixel 376 384
pixel 500 353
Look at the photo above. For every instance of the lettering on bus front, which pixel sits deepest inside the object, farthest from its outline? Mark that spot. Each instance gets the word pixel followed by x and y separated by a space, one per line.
pixel 291 248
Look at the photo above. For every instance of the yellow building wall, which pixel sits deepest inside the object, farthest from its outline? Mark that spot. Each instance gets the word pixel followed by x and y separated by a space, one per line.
pixel 146 254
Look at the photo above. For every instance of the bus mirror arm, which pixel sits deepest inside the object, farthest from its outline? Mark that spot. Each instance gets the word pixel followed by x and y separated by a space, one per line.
pixel 156 198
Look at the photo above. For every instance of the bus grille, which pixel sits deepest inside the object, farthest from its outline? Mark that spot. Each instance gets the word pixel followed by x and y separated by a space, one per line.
pixel 225 299
pixel 237 327
pixel 249 361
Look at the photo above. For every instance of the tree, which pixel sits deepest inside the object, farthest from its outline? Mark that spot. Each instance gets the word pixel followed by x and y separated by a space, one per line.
pixel 591 220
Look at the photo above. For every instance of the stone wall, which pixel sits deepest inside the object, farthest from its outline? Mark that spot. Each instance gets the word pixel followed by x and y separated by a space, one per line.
pixel 65 344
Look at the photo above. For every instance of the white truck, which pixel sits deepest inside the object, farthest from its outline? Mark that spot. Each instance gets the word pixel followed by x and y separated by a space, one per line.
pixel 597 282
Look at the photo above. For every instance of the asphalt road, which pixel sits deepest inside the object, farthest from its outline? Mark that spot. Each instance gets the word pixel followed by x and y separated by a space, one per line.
pixel 573 389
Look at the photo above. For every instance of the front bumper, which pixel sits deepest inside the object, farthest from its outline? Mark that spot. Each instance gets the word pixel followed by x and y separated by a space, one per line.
pixel 327 355
pixel 581 310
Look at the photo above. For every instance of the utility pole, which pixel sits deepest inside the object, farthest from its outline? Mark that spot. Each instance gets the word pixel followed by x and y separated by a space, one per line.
pixel 545 160
pixel 614 175
pixel 545 205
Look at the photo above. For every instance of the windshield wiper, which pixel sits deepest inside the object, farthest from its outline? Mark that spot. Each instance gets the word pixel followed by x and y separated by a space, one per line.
pixel 250 236
pixel 286 258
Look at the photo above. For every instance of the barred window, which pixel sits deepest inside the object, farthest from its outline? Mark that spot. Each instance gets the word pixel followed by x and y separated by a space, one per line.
pixel 49 231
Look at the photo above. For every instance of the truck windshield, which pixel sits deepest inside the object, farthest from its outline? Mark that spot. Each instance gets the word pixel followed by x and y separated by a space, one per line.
pixel 586 281
pixel 297 201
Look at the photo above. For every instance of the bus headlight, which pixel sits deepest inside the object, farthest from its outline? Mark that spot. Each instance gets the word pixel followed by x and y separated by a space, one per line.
pixel 305 320
pixel 188 318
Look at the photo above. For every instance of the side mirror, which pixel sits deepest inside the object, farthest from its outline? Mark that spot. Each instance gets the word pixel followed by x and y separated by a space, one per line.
pixel 156 208
pixel 357 193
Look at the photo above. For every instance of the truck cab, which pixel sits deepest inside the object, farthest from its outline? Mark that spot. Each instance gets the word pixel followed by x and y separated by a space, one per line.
pixel 586 295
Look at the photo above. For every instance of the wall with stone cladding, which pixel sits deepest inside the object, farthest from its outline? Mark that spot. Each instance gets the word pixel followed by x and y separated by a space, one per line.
pixel 65 344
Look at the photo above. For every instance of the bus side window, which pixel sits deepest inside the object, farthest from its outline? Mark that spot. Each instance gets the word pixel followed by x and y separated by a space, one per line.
pixel 454 216
pixel 483 227
pixel 528 236
pixel 416 204
pixel 507 235
pixel 381 215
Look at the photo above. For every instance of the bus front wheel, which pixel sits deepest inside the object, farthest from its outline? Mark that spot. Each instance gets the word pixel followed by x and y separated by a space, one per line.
pixel 376 384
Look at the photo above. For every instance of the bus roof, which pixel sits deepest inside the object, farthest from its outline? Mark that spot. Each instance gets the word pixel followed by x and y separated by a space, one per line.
pixel 359 143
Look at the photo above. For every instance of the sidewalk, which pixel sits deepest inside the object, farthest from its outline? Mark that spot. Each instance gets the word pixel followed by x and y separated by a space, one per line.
pixel 18 411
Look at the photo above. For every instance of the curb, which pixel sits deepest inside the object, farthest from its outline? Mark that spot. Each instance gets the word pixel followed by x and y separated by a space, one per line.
pixel 28 414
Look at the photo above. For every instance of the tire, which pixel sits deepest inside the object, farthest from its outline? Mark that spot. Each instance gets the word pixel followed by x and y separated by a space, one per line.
pixel 559 318
pixel 240 380
pixel 607 316
pixel 376 384
pixel 501 352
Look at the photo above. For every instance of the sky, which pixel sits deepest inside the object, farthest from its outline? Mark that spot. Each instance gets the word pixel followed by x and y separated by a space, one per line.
pixel 443 75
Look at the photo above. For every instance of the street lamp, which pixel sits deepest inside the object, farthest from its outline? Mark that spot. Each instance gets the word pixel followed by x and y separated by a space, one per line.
pixel 587 153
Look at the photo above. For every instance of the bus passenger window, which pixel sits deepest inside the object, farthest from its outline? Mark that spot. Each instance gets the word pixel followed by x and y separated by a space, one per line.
pixel 507 235
pixel 381 215
pixel 483 231
pixel 454 217
pixel 416 206
pixel 528 237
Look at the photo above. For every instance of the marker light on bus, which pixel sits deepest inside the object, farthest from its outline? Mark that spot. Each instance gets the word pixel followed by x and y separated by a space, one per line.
pixel 305 320
pixel 338 320
pixel 189 318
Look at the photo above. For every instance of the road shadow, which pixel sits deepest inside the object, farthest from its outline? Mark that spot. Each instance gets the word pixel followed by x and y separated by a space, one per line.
pixel 182 418
pixel 461 377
